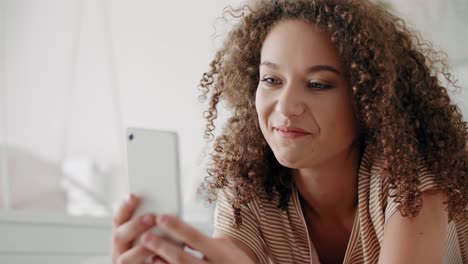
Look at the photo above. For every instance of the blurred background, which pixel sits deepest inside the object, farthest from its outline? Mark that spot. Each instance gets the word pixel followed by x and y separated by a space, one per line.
pixel 74 74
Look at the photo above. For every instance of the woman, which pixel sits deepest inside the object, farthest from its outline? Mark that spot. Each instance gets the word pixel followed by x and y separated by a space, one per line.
pixel 343 147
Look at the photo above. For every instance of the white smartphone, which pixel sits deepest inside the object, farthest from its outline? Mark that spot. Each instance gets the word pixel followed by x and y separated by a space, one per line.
pixel 153 171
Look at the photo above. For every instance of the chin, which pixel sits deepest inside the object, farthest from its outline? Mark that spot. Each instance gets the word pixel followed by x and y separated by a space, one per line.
pixel 288 162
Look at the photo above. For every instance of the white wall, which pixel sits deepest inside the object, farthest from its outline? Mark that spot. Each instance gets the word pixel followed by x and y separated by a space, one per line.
pixel 443 22
pixel 461 95
pixel 158 52
pixel 3 168
pixel 445 25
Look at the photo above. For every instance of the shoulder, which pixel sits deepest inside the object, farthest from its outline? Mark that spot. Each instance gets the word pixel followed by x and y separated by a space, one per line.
pixel 419 239
pixel 402 239
pixel 385 195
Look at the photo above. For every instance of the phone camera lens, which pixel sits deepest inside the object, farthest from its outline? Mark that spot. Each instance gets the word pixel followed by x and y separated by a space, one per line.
pixel 130 137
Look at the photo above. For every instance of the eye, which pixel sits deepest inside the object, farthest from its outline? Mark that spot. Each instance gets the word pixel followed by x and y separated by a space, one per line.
pixel 270 81
pixel 318 86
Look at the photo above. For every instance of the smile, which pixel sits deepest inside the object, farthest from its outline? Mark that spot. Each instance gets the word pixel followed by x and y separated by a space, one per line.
pixel 291 132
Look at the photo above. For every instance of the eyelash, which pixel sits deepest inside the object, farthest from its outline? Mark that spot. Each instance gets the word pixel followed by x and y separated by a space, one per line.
pixel 312 85
pixel 322 86
pixel 267 80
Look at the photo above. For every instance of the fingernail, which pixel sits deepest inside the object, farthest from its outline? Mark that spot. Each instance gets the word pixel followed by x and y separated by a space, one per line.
pixel 128 199
pixel 162 218
pixel 148 220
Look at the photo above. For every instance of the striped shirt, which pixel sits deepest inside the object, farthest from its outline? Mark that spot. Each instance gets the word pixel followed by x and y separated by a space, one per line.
pixel 277 236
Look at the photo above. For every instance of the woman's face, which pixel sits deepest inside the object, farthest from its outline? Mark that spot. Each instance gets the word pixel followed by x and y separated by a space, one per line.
pixel 303 100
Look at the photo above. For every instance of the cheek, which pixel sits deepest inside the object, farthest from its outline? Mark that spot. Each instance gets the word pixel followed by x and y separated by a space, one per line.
pixel 260 106
pixel 334 114
pixel 342 122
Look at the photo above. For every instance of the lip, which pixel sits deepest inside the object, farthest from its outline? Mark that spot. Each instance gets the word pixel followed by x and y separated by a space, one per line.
pixel 290 132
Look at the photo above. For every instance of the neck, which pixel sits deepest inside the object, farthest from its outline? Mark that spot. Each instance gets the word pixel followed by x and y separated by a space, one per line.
pixel 330 189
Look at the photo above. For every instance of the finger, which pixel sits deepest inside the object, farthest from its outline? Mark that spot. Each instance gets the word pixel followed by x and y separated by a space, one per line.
pixel 158 260
pixel 132 229
pixel 193 238
pixel 126 209
pixel 137 254
pixel 168 250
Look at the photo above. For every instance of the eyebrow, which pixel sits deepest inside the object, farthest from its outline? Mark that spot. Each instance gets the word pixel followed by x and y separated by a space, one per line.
pixel 315 68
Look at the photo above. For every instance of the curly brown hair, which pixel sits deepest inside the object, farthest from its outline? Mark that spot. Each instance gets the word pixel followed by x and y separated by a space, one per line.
pixel 406 114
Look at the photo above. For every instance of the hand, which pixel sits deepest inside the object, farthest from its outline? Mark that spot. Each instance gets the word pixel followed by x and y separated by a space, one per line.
pixel 214 250
pixel 126 230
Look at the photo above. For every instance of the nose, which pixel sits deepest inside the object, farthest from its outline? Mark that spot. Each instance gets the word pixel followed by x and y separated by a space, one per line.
pixel 291 101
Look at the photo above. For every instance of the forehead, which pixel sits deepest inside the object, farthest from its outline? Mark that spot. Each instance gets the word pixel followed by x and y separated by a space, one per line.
pixel 301 43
